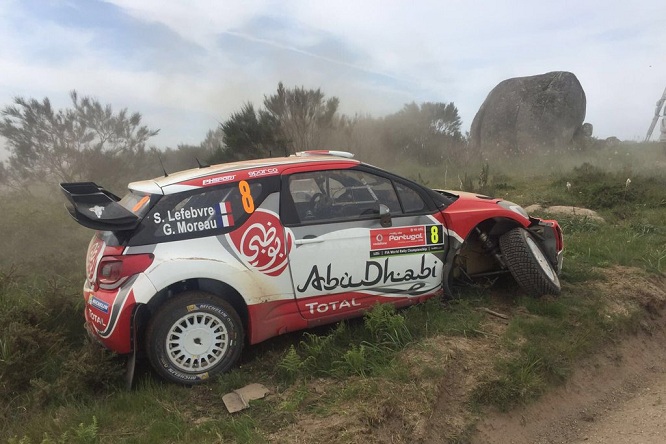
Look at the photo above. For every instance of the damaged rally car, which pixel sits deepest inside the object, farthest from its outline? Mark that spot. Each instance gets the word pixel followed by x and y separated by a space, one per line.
pixel 189 267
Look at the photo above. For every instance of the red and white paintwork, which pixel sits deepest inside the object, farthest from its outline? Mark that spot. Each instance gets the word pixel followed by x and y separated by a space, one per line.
pixel 288 283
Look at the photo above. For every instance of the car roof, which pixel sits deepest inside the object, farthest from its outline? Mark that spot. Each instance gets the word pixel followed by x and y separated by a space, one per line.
pixel 234 171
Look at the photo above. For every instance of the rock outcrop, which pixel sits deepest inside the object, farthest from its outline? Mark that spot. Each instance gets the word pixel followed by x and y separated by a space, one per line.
pixel 527 114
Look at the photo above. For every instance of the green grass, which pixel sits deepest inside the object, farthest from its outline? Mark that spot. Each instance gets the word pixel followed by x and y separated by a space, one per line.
pixel 56 386
pixel 545 344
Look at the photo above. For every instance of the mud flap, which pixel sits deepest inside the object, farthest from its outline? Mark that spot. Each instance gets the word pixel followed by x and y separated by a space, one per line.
pixel 129 370
pixel 131 358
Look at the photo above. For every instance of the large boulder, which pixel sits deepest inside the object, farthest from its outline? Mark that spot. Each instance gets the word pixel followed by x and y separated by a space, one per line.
pixel 526 114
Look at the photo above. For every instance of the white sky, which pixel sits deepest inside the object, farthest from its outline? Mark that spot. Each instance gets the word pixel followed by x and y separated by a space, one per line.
pixel 187 65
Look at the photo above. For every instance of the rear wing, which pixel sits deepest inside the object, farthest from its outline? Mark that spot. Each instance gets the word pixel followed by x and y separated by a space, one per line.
pixel 94 207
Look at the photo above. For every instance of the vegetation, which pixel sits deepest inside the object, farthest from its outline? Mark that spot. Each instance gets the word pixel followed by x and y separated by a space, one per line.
pixel 426 132
pixel 302 116
pixel 247 134
pixel 88 139
pixel 55 386
pixel 71 144
pixel 384 373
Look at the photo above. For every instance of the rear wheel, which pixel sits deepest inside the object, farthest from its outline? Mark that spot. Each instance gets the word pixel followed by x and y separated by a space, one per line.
pixel 194 336
pixel 528 264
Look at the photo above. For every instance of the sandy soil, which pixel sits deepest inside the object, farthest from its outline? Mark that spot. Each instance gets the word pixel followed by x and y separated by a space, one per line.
pixel 616 396
pixel 640 419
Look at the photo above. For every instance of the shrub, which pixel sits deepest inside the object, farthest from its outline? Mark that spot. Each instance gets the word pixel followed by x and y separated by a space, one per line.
pixel 44 354
pixel 387 327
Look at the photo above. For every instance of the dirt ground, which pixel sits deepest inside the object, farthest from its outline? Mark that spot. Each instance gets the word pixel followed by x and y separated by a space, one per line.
pixel 616 396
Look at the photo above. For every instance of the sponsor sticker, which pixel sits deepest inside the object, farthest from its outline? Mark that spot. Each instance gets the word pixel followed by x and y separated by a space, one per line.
pixel 97 321
pixel 219 179
pixel 263 172
pixel 406 240
pixel 99 304
pixel 323 307
pixel 263 243
pixel 98 210
pixel 95 250
pixel 378 273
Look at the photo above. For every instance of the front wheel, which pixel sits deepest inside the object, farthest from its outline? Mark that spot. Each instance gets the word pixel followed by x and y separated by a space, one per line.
pixel 528 264
pixel 194 336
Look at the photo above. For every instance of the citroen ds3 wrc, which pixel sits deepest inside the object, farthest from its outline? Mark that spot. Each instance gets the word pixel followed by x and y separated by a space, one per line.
pixel 190 267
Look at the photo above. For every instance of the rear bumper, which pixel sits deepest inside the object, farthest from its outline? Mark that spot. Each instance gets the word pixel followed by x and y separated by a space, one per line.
pixel 108 317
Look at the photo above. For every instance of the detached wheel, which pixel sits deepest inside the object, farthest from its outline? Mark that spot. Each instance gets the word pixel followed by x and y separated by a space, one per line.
pixel 528 264
pixel 193 337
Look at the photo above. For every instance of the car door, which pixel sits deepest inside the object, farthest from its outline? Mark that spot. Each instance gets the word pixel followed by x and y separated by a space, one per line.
pixel 344 260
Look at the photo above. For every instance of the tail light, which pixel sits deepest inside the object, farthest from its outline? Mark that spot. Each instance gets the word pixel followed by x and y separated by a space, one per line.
pixel 114 270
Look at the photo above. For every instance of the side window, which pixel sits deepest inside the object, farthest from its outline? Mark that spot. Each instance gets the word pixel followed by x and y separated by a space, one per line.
pixel 410 199
pixel 205 212
pixel 338 195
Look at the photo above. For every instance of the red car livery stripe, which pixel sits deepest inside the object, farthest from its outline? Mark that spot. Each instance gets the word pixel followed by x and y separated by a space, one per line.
pixel 270 319
pixel 269 169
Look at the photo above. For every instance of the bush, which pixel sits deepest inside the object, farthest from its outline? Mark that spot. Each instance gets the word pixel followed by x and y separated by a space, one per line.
pixel 623 191
pixel 44 354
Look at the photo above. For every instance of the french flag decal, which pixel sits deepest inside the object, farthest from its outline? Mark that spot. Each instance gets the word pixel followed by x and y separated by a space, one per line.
pixel 225 217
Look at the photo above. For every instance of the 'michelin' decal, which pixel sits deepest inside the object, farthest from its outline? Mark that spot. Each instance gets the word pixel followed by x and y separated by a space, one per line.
pixel 406 240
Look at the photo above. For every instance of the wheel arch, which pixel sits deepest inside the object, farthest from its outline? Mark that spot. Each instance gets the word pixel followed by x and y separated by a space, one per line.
pixel 493 227
pixel 465 253
pixel 214 287
pixel 193 336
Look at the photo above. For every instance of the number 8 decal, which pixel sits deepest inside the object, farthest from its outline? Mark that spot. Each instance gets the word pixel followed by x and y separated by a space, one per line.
pixel 434 234
pixel 246 196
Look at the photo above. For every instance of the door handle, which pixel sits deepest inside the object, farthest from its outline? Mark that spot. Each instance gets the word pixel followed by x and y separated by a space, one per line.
pixel 308 239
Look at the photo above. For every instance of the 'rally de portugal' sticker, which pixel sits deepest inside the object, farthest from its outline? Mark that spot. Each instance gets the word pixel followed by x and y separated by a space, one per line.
pixel 406 240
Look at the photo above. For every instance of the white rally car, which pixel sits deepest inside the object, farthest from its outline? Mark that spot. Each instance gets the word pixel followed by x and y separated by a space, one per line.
pixel 189 267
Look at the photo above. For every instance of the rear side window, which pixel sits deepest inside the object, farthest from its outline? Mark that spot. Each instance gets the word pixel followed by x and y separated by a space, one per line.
pixel 205 212
pixel 137 203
